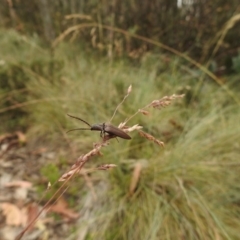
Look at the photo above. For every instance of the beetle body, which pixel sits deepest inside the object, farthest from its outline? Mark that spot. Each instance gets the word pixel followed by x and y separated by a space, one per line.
pixel 111 130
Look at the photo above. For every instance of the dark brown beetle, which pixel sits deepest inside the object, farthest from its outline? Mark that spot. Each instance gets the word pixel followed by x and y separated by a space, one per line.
pixel 103 128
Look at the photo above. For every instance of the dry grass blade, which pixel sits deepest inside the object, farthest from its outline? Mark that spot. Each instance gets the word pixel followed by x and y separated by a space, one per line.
pixel 151 138
pixel 222 34
pixel 135 178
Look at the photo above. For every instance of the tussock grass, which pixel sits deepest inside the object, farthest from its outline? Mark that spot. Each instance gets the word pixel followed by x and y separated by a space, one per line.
pixel 189 189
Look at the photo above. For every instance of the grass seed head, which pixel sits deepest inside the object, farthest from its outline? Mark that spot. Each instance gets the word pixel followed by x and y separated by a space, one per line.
pixel 151 138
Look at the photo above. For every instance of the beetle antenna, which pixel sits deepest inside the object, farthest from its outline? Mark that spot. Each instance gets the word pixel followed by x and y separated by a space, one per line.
pixel 77 129
pixel 80 120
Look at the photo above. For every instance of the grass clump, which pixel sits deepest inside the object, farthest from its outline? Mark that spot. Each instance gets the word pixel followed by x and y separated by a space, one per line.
pixel 188 190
